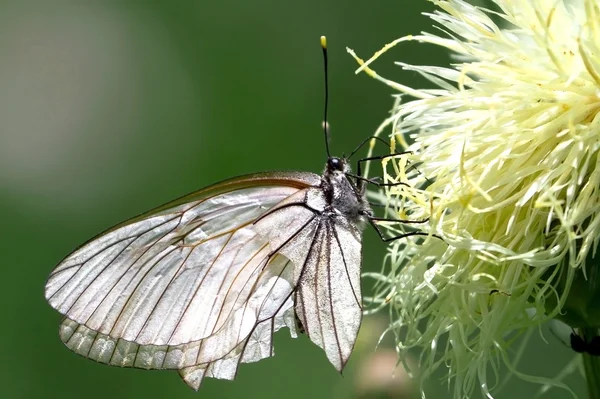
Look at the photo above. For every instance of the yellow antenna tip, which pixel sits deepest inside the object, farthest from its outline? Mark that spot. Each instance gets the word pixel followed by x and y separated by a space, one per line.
pixel 323 42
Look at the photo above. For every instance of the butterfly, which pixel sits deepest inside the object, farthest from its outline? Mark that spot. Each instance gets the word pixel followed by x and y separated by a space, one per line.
pixel 202 283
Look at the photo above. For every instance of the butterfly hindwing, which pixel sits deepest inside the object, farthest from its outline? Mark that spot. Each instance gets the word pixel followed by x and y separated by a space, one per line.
pixel 327 254
pixel 328 302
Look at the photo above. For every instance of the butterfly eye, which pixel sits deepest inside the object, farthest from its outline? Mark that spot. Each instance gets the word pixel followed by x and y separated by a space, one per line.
pixel 335 163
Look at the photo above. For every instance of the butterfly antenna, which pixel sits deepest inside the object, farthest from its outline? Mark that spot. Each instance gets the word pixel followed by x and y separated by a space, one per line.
pixel 325 123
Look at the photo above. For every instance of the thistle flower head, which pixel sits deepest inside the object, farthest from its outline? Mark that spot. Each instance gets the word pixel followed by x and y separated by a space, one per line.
pixel 507 171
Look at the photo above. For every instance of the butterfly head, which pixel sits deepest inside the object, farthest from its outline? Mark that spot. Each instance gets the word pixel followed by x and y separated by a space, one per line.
pixel 335 164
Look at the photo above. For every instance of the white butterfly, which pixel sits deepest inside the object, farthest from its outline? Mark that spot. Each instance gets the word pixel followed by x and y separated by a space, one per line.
pixel 202 283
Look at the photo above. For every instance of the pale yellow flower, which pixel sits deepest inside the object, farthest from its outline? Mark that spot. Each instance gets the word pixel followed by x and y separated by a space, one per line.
pixel 506 148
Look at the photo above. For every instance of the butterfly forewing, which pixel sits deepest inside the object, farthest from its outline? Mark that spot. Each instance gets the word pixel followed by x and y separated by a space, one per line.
pixel 175 276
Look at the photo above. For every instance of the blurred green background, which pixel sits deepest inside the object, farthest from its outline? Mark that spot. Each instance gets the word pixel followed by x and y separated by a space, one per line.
pixel 110 108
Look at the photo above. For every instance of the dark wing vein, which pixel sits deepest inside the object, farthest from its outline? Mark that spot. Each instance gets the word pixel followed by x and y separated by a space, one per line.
pixel 331 296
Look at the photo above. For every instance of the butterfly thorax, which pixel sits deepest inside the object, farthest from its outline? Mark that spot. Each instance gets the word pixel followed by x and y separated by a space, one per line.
pixel 343 196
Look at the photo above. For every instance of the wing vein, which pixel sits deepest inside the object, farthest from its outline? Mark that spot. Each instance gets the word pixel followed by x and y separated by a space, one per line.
pixel 337 238
pixel 309 253
pixel 328 266
pixel 316 288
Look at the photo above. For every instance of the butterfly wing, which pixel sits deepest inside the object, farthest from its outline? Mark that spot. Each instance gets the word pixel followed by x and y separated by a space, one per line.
pixel 257 346
pixel 328 298
pixel 191 358
pixel 191 285
pixel 327 254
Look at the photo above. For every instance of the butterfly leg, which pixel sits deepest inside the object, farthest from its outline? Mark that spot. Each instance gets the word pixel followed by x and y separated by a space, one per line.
pixel 404 235
pixel 365 142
